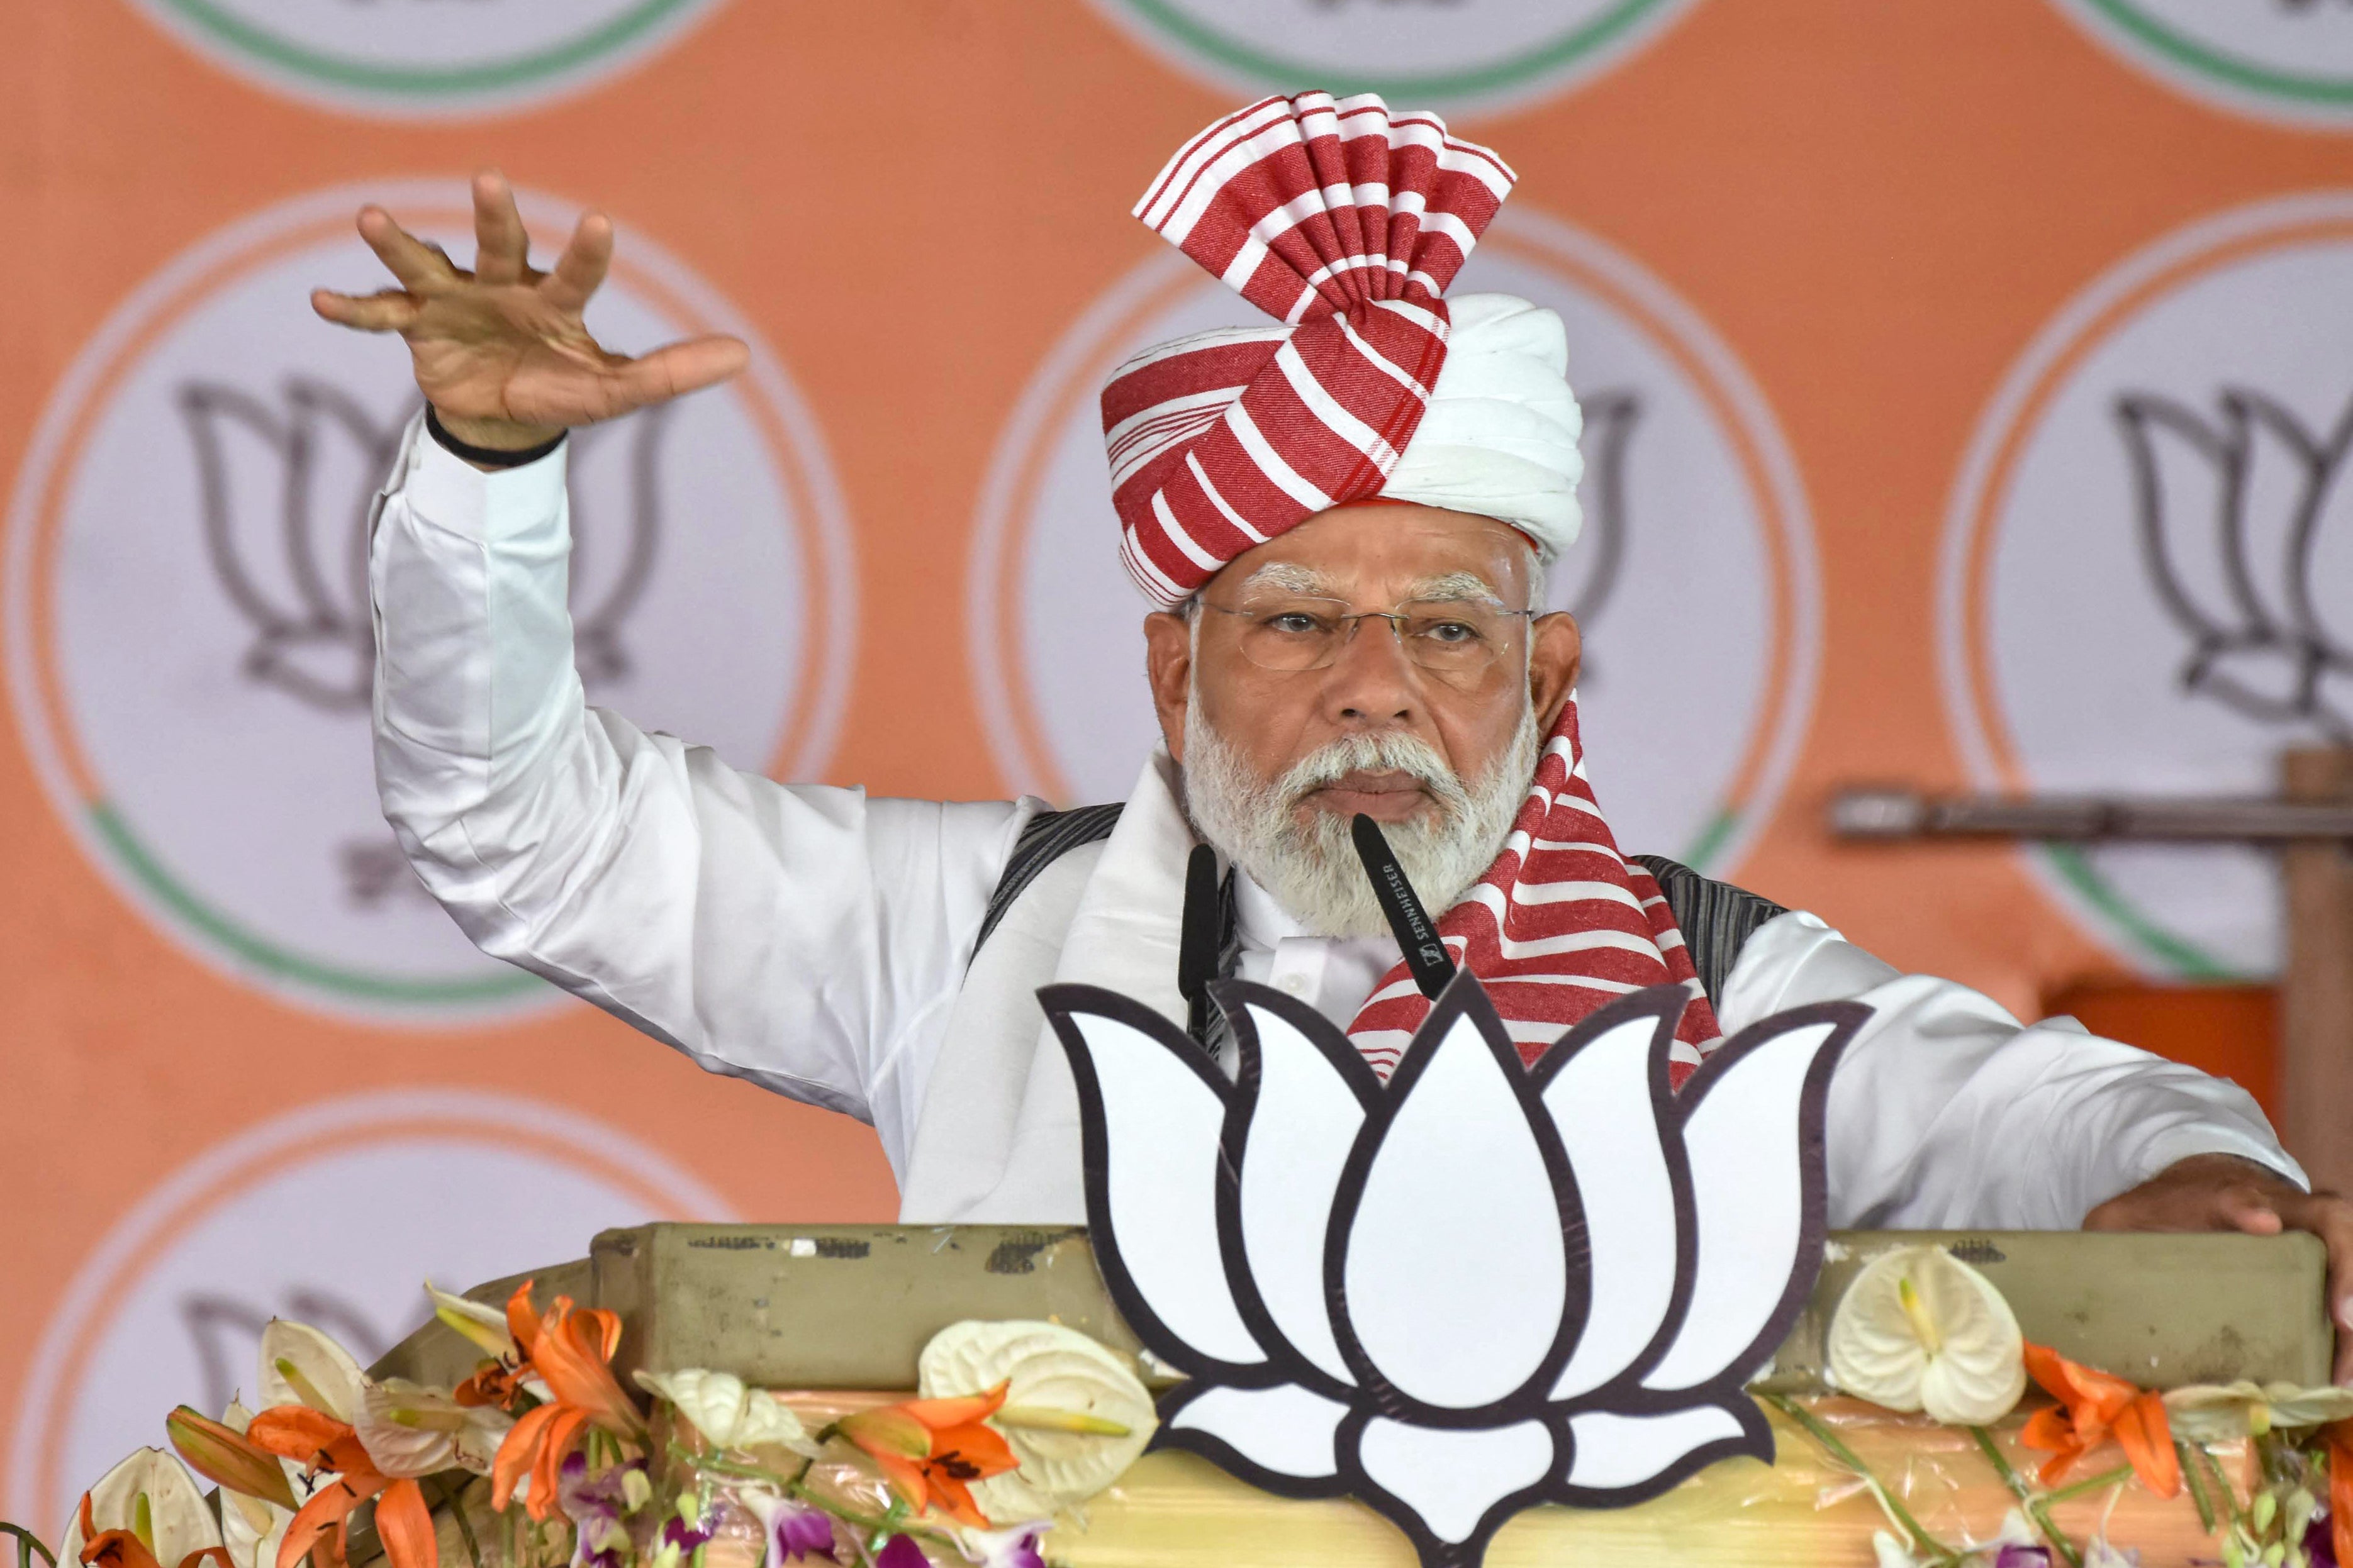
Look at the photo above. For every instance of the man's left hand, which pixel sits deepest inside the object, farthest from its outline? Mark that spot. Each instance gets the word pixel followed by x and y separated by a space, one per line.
pixel 2222 1192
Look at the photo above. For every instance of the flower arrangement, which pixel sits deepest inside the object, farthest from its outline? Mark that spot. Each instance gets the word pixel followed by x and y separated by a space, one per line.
pixel 541 1459
pixel 1920 1329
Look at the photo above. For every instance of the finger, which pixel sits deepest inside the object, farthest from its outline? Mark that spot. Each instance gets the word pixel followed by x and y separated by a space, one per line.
pixel 456 272
pixel 581 269
pixel 422 269
pixel 390 311
pixel 673 371
pixel 2247 1209
pixel 2330 1218
pixel 2336 1228
pixel 502 248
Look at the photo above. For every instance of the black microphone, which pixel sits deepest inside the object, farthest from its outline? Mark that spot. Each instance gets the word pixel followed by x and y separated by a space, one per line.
pixel 1198 940
pixel 1425 955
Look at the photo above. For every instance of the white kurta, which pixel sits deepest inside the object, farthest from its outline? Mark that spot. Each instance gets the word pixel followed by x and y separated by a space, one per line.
pixel 819 943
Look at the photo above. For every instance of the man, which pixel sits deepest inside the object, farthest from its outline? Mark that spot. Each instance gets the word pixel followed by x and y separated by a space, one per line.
pixel 1344 517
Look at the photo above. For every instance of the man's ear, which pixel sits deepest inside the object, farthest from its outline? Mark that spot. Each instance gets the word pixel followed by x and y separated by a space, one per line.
pixel 1557 649
pixel 1169 665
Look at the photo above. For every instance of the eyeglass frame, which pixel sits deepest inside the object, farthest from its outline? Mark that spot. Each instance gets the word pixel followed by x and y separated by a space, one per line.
pixel 1356 619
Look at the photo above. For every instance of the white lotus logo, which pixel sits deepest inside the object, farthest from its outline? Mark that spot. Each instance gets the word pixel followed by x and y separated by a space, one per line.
pixel 1474 1288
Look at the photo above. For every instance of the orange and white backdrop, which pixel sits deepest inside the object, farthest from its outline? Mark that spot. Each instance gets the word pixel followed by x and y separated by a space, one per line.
pixel 1967 385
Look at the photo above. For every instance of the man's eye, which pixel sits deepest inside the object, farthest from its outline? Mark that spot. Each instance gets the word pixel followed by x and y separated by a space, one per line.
pixel 1293 623
pixel 1452 632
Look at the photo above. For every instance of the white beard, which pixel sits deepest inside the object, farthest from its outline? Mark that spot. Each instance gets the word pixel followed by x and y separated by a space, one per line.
pixel 1313 870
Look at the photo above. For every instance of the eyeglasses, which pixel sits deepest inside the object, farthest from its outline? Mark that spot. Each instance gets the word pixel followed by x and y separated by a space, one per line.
pixel 1455 639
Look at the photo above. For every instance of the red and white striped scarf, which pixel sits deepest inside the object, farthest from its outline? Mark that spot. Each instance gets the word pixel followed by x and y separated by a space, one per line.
pixel 1561 924
pixel 1345 224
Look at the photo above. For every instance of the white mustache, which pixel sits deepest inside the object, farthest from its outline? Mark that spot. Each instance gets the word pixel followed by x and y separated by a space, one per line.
pixel 1389 751
pixel 1309 863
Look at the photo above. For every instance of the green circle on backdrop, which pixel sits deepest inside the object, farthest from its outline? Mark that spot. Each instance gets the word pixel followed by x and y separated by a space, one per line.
pixel 400 61
pixel 2275 59
pixel 1471 51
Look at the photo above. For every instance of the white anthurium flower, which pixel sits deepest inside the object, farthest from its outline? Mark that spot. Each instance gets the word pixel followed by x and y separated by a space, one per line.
pixel 1074 1415
pixel 152 1495
pixel 410 1430
pixel 1920 1329
pixel 486 1326
pixel 252 1526
pixel 2219 1412
pixel 1477 1288
pixel 300 1366
pixel 729 1414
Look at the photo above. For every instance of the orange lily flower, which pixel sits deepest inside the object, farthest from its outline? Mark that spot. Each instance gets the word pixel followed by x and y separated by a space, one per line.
pixel 499 1380
pixel 123 1549
pixel 228 1458
pixel 403 1519
pixel 571 1350
pixel 931 1450
pixel 2095 1407
pixel 2338 1435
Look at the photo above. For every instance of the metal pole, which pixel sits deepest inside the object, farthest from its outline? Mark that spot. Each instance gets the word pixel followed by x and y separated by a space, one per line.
pixel 1901 813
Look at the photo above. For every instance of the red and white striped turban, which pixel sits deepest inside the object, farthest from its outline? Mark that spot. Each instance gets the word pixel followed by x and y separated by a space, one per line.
pixel 1345 225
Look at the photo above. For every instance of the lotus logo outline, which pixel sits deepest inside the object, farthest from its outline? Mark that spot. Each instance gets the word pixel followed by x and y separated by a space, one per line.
pixel 290 551
pixel 2234 562
pixel 1477 1288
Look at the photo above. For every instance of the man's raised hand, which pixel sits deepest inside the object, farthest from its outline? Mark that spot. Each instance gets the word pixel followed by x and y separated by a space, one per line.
pixel 501 351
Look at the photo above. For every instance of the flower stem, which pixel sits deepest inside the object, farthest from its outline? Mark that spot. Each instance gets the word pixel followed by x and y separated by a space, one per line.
pixel 27 1545
pixel 2197 1484
pixel 2222 1488
pixel 1845 1456
pixel 2025 1495
pixel 2077 1488
pixel 453 1497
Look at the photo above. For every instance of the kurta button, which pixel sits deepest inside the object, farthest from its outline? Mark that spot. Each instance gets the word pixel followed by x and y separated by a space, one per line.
pixel 1293 984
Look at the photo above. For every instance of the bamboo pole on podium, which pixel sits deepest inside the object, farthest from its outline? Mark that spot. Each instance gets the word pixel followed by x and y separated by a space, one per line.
pixel 2316 982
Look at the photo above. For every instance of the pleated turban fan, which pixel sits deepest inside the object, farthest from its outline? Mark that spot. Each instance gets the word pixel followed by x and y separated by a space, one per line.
pixel 1345 224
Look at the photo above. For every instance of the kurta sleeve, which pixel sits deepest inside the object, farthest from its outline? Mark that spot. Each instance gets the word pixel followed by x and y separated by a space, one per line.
pixel 804 937
pixel 1946 1113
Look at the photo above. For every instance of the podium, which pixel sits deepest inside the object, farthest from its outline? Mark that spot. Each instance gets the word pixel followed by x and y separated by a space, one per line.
pixel 840 1313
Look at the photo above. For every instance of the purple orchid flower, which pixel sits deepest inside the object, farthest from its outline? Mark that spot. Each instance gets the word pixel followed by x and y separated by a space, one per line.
pixel 594 1504
pixel 1013 1548
pixel 2013 1555
pixel 794 1531
pixel 901 1552
pixel 2320 1542
pixel 676 1532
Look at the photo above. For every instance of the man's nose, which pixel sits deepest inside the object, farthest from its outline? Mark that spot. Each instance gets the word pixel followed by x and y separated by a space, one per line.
pixel 1371 682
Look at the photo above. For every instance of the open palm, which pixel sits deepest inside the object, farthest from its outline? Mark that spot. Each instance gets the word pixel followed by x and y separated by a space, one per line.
pixel 501 351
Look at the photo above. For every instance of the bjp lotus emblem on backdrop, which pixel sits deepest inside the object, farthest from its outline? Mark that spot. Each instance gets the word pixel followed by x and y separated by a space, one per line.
pixel 291 555
pixel 1475 1288
pixel 1449 53
pixel 2235 560
pixel 2275 59
pixel 425 59
pixel 1695 519
pixel 2148 567
pixel 187 610
pixel 455 1186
